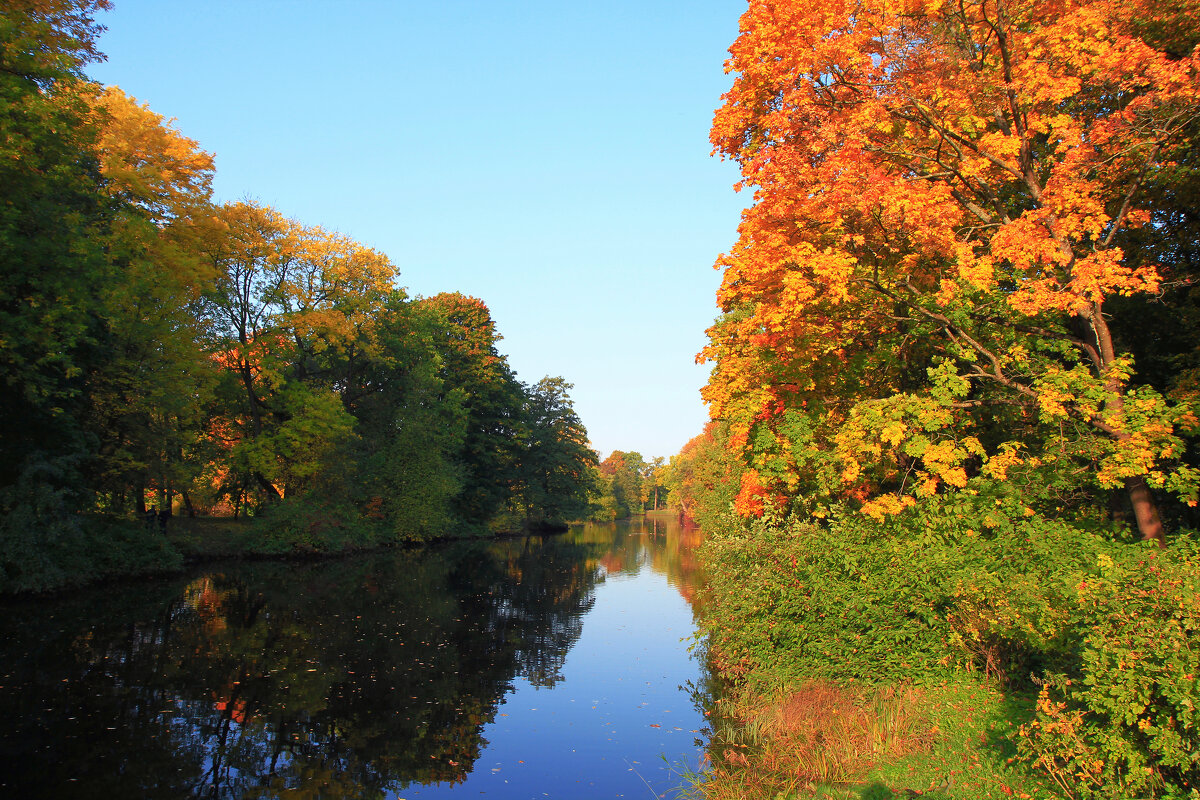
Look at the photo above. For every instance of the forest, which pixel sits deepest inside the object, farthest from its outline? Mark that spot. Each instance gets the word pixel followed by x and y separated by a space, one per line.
pixel 954 389
pixel 164 355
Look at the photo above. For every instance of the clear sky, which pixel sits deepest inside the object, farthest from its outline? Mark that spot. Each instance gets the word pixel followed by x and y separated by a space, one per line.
pixel 550 158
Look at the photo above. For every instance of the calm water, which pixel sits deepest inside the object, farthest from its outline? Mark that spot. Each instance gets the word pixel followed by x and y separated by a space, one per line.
pixel 526 668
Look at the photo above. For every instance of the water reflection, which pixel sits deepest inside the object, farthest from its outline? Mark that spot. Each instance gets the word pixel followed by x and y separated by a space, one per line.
pixel 339 679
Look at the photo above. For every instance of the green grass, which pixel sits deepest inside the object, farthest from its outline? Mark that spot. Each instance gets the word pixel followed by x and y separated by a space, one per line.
pixel 970 756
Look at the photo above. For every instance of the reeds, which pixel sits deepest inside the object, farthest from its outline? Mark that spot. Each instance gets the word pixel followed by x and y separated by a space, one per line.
pixel 819 737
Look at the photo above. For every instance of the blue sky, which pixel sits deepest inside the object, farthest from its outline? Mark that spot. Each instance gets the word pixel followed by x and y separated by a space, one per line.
pixel 549 158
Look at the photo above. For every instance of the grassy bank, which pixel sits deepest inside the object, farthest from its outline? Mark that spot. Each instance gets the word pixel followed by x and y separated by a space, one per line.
pixel 1012 657
pixel 869 743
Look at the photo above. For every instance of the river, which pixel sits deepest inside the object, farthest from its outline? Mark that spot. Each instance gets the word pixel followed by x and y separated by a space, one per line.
pixel 522 668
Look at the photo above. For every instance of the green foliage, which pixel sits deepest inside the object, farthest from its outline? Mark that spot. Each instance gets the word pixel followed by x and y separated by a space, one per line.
pixel 1124 723
pixel 602 505
pixel 980 582
pixel 621 492
pixel 411 431
pixel 703 479
pixel 465 341
pixel 556 464
pixel 45 544
pixel 54 222
pixel 790 601
pixel 313 426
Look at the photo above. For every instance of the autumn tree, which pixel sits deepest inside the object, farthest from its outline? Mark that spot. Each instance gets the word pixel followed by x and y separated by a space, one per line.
pixel 152 342
pixel 65 272
pixel 945 197
pixel 653 488
pixel 622 473
pixel 705 476
pixel 148 400
pixel 291 313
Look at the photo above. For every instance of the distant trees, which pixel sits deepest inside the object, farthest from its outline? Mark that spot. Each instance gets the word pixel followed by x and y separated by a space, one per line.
pixel 629 485
pixel 160 350
pixel 704 477
pixel 554 458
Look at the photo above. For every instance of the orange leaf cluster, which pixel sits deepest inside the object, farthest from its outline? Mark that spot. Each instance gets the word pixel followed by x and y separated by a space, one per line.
pixel 953 174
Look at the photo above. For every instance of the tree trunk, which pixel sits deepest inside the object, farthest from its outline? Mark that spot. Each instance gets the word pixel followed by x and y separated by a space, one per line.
pixel 1145 510
pixel 273 494
pixel 248 383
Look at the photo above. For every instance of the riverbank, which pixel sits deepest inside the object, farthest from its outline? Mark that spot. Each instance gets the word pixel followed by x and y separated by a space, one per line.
pixel 201 539
pixel 856 742
pixel 1022 657
pixel 96 548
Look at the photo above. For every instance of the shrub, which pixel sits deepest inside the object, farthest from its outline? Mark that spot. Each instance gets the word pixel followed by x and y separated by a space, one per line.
pixel 972 582
pixel 1125 723
pixel 306 526
pixel 794 601
pixel 47 544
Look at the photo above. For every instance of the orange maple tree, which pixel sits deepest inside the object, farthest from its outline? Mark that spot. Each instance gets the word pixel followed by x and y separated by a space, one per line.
pixel 940 192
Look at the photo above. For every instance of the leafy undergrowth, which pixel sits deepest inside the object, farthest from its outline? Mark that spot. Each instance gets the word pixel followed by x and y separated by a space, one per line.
pixel 211 537
pixel 949 742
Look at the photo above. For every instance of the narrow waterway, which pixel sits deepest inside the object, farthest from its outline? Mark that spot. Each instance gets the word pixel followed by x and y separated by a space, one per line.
pixel 524 668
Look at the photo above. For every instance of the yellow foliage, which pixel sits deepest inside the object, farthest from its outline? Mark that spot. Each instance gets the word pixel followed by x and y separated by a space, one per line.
pixel 883 506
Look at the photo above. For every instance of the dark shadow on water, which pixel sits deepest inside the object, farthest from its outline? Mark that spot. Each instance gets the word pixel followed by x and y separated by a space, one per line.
pixel 343 679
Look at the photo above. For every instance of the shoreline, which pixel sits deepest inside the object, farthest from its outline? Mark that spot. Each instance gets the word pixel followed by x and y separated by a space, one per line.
pixel 189 542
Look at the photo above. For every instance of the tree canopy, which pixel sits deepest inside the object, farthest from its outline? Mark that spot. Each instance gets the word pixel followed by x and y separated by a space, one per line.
pixel 161 352
pixel 948 200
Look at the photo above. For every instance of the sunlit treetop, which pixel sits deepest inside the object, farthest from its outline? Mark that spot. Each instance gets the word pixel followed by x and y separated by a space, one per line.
pixel 49 40
pixel 967 146
pixel 148 161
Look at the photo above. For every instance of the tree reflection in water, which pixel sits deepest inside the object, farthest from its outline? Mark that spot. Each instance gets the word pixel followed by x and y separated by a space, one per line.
pixel 336 679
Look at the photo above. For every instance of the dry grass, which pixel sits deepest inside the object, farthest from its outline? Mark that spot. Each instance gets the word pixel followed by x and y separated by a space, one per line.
pixel 816 736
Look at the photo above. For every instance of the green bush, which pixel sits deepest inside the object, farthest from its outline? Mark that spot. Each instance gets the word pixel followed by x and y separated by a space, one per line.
pixel 1125 723
pixel 304 526
pixel 973 582
pixel 790 601
pixel 46 544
